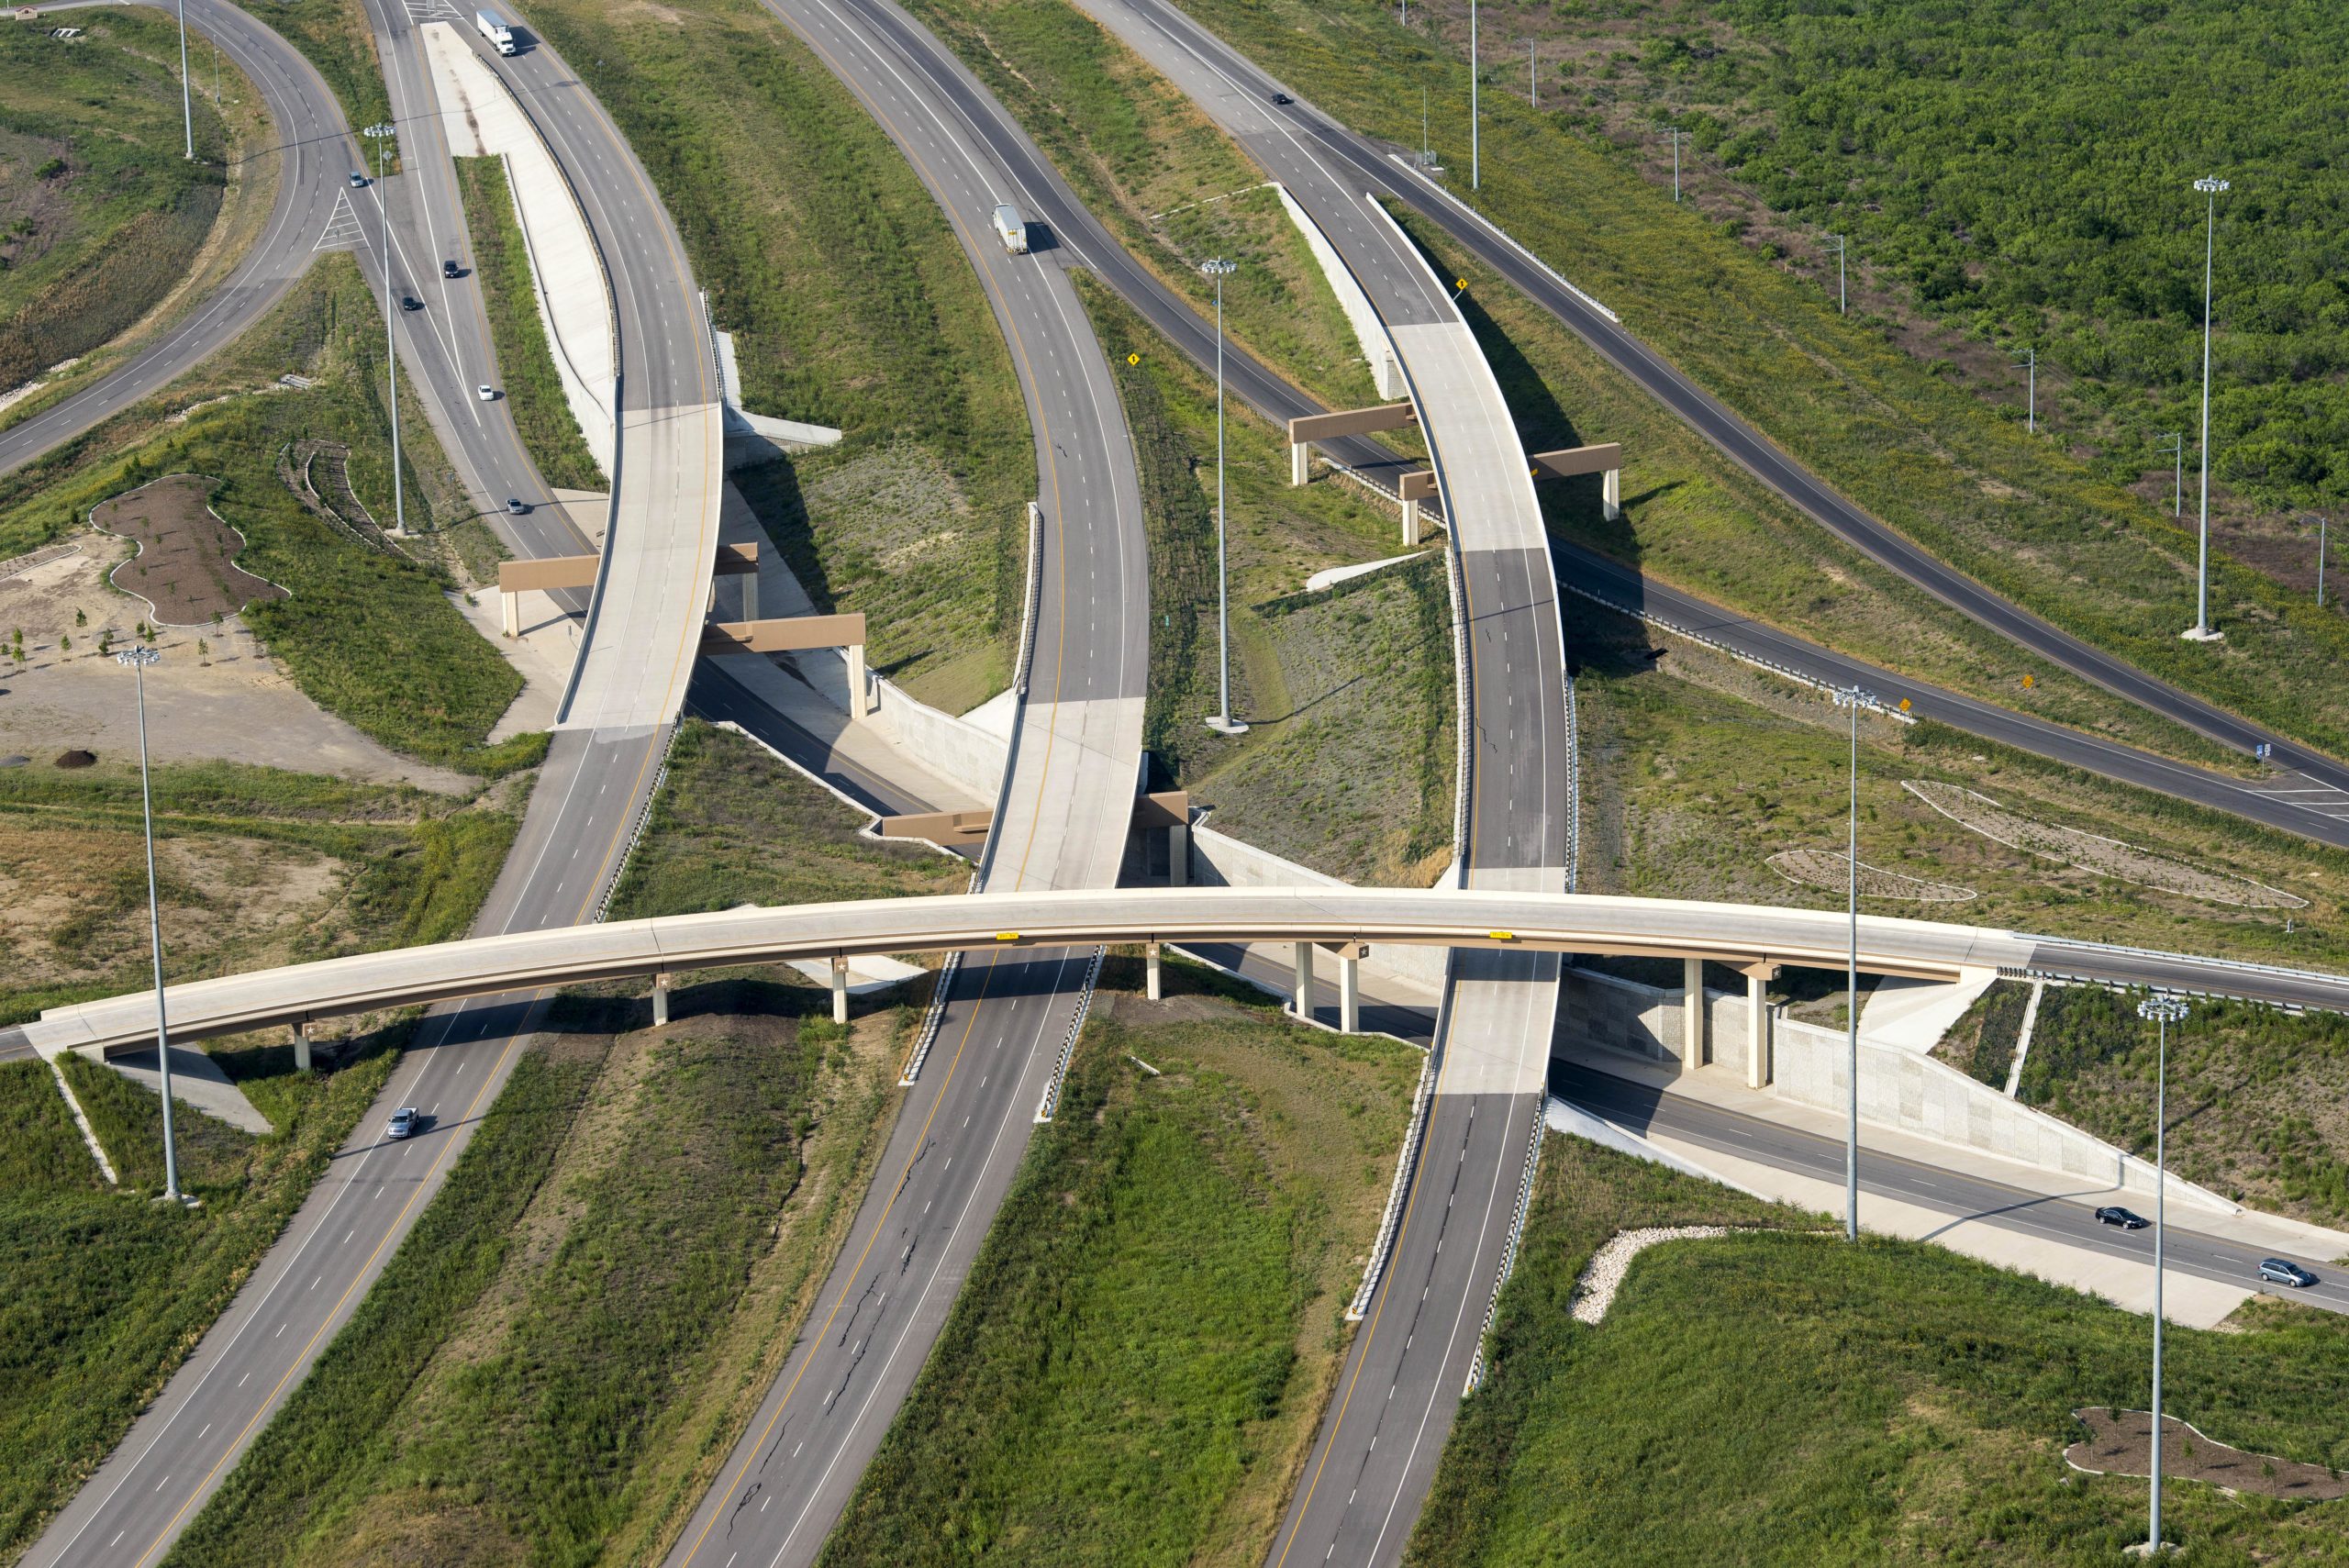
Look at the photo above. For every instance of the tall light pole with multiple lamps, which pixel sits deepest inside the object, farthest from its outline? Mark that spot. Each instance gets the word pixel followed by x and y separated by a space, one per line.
pixel 2201 630
pixel 2174 443
pixel 379 134
pixel 1476 161
pixel 139 659
pixel 1842 297
pixel 1222 723
pixel 2164 1011
pixel 1853 699
pixel 187 99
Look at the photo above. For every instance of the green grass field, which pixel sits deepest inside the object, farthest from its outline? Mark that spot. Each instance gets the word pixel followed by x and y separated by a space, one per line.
pixel 1773 1397
pixel 257 867
pixel 852 305
pixel 533 390
pixel 101 1295
pixel 1963 479
pixel 336 39
pixel 100 214
pixel 1134 1372
pixel 367 635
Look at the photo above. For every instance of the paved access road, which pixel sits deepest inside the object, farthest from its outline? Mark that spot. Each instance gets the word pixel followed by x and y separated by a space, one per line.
pixel 1061 823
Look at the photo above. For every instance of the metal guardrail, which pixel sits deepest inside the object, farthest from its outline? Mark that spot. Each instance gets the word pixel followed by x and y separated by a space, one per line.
pixel 1029 597
pixel 1464 709
pixel 1508 1251
pixel 1051 1100
pixel 1505 238
pixel 1407 1163
pixel 636 831
pixel 933 1016
pixel 1574 789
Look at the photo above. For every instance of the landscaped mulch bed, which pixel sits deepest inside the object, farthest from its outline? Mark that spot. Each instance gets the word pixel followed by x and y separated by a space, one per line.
pixel 186 566
pixel 2115 1445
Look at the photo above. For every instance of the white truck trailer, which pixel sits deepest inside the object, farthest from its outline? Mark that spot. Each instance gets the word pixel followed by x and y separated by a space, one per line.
pixel 492 28
pixel 1010 230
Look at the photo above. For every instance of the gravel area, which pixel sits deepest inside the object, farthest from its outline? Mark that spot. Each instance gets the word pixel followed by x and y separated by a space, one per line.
pixel 1594 1289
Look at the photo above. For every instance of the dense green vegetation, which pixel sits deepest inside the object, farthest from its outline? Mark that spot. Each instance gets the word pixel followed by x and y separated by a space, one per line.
pixel 101 1295
pixel 1893 1403
pixel 1133 1371
pixel 1983 1042
pixel 384 867
pixel 852 305
pixel 365 633
pixel 2017 511
pixel 2255 1095
pixel 533 389
pixel 100 213
pixel 732 825
pixel 334 35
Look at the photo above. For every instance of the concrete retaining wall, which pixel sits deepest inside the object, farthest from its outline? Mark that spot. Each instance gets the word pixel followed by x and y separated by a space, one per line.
pixel 1369 331
pixel 1217 860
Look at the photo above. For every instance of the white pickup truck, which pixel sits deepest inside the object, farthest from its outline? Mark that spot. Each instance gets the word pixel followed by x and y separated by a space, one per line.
pixel 1010 230
pixel 492 28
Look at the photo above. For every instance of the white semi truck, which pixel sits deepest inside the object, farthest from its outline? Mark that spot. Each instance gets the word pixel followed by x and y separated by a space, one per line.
pixel 1010 230
pixel 495 29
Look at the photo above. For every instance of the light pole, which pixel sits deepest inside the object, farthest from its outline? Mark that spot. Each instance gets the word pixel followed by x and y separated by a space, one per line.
pixel 1532 79
pixel 1853 699
pixel 2201 632
pixel 1222 723
pixel 187 101
pixel 2323 525
pixel 1843 300
pixel 2164 1011
pixel 2174 443
pixel 1675 164
pixel 1475 163
pixel 139 659
pixel 379 134
pixel 2029 363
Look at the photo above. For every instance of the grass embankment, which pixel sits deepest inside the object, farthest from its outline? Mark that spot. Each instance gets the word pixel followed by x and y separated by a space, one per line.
pixel 103 1294
pixel 732 825
pixel 2015 510
pixel 1134 1369
pixel 1781 1398
pixel 255 867
pixel 1982 1043
pixel 366 635
pixel 533 388
pixel 1695 772
pixel 852 305
pixel 554 1365
pixel 1165 180
pixel 1349 767
pixel 2258 1099
pixel 336 39
pixel 101 214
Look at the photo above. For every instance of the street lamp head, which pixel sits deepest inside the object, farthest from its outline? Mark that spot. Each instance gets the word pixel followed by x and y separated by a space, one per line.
pixel 378 129
pixel 137 655
pixel 1219 268
pixel 2211 186
pixel 2162 1008
pixel 1855 696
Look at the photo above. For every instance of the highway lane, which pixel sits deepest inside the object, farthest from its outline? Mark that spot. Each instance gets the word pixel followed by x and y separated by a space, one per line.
pixel 1062 820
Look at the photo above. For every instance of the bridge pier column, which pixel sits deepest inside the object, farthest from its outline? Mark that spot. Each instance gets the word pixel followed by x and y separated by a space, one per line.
pixel 1350 996
pixel 1692 1013
pixel 1155 988
pixel 659 1001
pixel 750 581
pixel 1410 525
pixel 1305 981
pixel 1300 463
pixel 511 603
pixel 302 1046
pixel 1757 1024
pixel 1610 496
pixel 840 989
pixel 1178 855
pixel 857 700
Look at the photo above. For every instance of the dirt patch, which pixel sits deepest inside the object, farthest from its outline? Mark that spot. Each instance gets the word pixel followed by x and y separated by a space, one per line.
pixel 1824 868
pixel 2116 1445
pixel 2094 852
pixel 186 566
pixel 76 759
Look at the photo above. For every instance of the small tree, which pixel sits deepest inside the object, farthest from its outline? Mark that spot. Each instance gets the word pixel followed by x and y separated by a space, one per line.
pixel 146 631
pixel 204 650
pixel 105 640
pixel 81 618
pixel 65 644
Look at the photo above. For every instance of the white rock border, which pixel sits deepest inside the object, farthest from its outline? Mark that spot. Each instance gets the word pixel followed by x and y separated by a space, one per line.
pixel 1596 1286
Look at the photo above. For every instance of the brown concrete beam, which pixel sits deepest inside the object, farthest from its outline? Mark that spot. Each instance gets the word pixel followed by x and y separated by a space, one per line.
pixel 1351 422
pixel 1167 808
pixel 1416 484
pixel 794 635
pixel 736 560
pixel 546 573
pixel 940 827
pixel 1574 461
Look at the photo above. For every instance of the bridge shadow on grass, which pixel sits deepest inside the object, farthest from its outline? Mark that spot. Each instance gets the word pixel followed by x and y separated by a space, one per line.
pixel 772 491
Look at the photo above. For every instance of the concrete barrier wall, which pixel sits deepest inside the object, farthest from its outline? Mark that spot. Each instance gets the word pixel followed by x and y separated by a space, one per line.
pixel 1369 331
pixel 1218 860
pixel 962 750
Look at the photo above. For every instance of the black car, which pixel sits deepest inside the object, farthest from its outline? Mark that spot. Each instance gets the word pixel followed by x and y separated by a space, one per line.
pixel 2115 1215
pixel 1283 98
pixel 449 270
pixel 2283 1270
pixel 409 301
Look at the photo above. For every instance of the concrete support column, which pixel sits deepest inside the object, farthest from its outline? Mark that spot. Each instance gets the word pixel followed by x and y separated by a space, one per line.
pixel 1300 461
pixel 1692 1013
pixel 1410 525
pixel 1178 856
pixel 1152 969
pixel 1305 981
pixel 302 1047
pixel 1757 1030
pixel 512 605
pixel 1610 496
pixel 840 989
pixel 659 1001
pixel 856 695
pixel 750 581
pixel 1350 996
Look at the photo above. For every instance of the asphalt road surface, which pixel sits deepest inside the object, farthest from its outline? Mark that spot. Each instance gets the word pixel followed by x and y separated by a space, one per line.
pixel 1061 821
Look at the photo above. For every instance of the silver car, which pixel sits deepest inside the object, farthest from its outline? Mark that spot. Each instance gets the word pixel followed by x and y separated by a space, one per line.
pixel 404 1122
